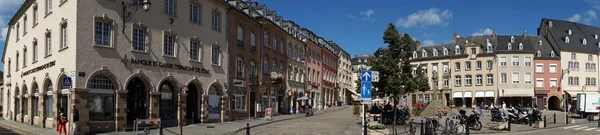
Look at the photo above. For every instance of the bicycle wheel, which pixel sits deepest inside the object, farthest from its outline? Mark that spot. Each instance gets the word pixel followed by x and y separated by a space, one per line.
pixel 411 130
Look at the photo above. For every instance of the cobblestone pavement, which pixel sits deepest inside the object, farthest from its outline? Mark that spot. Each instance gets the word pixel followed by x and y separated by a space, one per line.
pixel 577 129
pixel 341 122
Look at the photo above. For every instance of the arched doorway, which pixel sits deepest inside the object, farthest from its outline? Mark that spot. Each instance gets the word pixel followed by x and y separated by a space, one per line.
pixel 554 103
pixel 214 103
pixel 168 106
pixel 17 105
pixel 25 104
pixel 35 101
pixel 192 104
pixel 101 98
pixel 137 100
pixel 49 99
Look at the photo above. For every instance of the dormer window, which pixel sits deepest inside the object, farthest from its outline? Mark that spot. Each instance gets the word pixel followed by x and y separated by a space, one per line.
pixel 539 54
pixel 509 47
pixel 489 48
pixel 512 39
pixel 595 36
pixel 415 54
pixel 445 51
pixel 540 42
pixel 457 50
pixel 435 52
pixel 520 46
pixel 552 54
pixel 466 42
pixel 584 41
pixel 598 44
pixel 567 39
pixel 424 54
pixel 570 32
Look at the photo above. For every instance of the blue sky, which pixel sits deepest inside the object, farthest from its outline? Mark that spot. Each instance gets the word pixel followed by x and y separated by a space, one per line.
pixel 358 25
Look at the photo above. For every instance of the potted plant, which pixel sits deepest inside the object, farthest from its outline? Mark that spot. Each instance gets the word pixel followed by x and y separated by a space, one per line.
pixel 356 111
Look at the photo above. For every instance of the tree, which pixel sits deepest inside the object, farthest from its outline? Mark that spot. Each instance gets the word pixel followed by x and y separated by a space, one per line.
pixel 395 70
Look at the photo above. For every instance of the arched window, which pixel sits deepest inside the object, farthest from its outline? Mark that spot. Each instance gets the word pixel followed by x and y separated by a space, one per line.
pixel 424 54
pixel 17 101
pixel 509 47
pixel 539 54
pixel 512 39
pixel 435 52
pixel 25 101
pixel 168 107
pixel 520 46
pixel 445 51
pixel 49 99
pixel 567 39
pixel 35 99
pixel 489 48
pixel 101 101
pixel 415 54
pixel 584 41
pixel 457 50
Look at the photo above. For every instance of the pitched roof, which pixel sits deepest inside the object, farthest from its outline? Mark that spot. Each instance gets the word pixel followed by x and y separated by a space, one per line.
pixel 558 31
pixel 542 46
pixel 515 43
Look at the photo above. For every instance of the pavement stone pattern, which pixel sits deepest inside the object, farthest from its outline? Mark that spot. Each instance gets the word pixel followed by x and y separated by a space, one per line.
pixel 340 122
pixel 588 128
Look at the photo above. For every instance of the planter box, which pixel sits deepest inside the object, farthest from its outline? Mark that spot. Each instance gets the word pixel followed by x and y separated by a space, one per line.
pixel 498 125
pixel 539 124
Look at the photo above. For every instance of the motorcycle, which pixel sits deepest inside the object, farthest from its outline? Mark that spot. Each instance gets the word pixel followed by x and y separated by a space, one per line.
pixel 498 115
pixel 402 115
pixel 521 117
pixel 536 115
pixel 471 121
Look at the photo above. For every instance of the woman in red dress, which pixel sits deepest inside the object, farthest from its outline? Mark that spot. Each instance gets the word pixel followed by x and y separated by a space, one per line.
pixel 62 121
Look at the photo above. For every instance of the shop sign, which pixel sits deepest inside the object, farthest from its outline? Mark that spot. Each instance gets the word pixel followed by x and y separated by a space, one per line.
pixel 165 65
pixel 39 68
pixel 239 83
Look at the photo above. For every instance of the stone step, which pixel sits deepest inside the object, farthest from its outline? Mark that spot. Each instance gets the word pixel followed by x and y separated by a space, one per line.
pixel 432 108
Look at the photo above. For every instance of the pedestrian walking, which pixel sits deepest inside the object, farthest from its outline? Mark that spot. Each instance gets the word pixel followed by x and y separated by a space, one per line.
pixel 62 121
pixel 481 109
pixel 75 119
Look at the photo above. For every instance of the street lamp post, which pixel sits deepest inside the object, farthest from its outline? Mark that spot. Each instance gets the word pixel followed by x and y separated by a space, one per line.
pixel 131 8
pixel 181 92
pixel 502 98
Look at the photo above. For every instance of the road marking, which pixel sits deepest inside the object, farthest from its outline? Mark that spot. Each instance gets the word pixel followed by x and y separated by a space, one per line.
pixel 579 128
pixel 589 129
pixel 570 127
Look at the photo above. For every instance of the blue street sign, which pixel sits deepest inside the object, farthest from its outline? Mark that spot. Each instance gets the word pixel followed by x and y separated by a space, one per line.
pixel 365 90
pixel 366 76
pixel 67 82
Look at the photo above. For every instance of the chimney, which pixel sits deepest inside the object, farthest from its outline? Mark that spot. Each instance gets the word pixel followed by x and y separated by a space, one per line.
pixel 455 36
pixel 524 32
pixel 546 31
pixel 493 34
pixel 418 44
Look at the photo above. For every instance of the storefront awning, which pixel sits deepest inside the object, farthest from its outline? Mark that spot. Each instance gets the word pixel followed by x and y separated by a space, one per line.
pixel 352 91
pixel 517 92
pixel 468 94
pixel 489 94
pixel 479 94
pixel 574 93
pixel 457 95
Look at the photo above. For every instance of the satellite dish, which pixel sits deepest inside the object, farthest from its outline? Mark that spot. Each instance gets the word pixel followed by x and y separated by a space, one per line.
pixel 274 74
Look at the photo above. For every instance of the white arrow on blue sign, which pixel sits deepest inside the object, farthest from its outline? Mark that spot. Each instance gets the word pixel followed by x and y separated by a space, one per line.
pixel 365 90
pixel 366 76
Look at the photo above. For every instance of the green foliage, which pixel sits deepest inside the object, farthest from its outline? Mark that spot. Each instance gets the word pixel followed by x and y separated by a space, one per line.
pixel 393 64
pixel 356 110
pixel 376 126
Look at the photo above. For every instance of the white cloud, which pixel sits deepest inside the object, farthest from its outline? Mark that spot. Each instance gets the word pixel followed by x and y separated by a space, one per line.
pixel 429 34
pixel 575 18
pixel 481 32
pixel 367 14
pixel 351 16
pixel 590 16
pixel 594 3
pixel 428 42
pixel 424 18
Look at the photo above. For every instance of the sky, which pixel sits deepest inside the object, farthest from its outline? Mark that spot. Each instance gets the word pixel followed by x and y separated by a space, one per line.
pixel 358 25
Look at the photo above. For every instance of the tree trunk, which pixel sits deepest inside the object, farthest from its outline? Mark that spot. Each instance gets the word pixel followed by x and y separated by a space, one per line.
pixel 394 121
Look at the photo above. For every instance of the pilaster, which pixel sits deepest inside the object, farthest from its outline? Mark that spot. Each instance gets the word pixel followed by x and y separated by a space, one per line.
pixel 120 110
pixel 154 105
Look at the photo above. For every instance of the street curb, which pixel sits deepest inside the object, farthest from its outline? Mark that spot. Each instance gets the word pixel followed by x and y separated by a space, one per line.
pixel 15 128
pixel 533 129
pixel 280 120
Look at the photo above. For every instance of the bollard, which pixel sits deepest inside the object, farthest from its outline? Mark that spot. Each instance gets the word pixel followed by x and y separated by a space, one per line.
pixel 161 129
pixel 554 118
pixel 247 128
pixel 422 132
pixel 508 125
pixel 467 128
pixel 544 121
pixel 567 119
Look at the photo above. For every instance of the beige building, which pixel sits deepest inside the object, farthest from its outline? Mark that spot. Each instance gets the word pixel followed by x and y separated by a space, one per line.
pixel 122 67
pixel 473 71
pixel 296 68
pixel 515 59
pixel 435 62
pixel 344 75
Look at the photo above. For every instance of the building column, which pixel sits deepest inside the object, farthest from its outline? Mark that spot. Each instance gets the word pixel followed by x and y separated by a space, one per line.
pixel 41 110
pixel 121 110
pixel 204 109
pixel 224 108
pixel 154 105
pixel 20 109
pixel 79 98
pixel 55 105
pixel 29 113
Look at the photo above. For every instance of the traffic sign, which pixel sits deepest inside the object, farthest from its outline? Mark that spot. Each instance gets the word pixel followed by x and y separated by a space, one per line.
pixel 365 90
pixel 67 82
pixel 366 76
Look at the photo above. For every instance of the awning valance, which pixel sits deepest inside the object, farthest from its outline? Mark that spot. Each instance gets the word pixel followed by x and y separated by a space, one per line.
pixel 480 94
pixel 574 93
pixel 468 94
pixel 457 95
pixel 489 94
pixel 518 92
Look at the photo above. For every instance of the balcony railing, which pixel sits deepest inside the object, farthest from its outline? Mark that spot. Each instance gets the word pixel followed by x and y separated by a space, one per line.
pixel 253 80
pixel 240 43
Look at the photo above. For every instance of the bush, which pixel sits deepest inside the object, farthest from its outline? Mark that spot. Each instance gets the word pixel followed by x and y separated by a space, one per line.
pixel 356 110
pixel 376 126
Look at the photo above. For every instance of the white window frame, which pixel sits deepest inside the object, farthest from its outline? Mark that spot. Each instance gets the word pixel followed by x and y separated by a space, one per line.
pixel 515 61
pixel 555 83
pixel 573 56
pixel 196 16
pixel 515 77
pixel 48 46
pixel 527 78
pixel 48 7
pixel 239 67
pixel 457 80
pixel 468 80
pixel 446 68
pixel 216 21
pixel 104 38
pixel 489 79
pixel 479 79
pixel 170 7
pixel 195 48
pixel 537 82
pixel 479 65
pixel 216 55
pixel 35 53
pixel 239 100
pixel 551 69
pixel 503 62
pixel 468 65
pixel 539 68
pixel 138 39
pixel 266 39
pixel 64 40
pixel 527 61
pixel 169 45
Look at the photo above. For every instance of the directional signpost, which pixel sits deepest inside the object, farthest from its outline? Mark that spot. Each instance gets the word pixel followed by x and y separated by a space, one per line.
pixel 365 93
